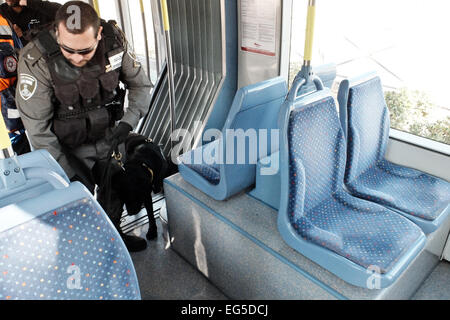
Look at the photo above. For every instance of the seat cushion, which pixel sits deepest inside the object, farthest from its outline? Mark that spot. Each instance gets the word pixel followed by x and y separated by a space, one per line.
pixel 204 162
pixel 405 189
pixel 363 232
pixel 209 172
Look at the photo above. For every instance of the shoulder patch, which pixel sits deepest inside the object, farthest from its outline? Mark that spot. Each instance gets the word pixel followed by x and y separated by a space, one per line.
pixel 27 86
pixel 10 64
pixel 133 57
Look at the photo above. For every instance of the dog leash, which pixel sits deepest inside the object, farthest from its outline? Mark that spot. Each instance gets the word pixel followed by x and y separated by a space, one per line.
pixel 113 153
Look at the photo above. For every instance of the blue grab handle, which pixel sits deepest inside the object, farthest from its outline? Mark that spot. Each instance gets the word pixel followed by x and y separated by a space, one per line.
pixel 299 82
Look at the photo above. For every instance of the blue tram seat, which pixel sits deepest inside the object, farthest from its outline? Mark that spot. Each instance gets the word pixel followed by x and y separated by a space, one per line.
pixel 346 235
pixel 365 117
pixel 56 242
pixel 216 173
pixel 267 181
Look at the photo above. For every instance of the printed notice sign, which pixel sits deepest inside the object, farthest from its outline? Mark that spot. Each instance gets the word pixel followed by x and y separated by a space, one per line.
pixel 258 22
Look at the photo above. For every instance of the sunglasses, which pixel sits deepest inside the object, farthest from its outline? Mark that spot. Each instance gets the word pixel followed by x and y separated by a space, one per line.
pixel 82 52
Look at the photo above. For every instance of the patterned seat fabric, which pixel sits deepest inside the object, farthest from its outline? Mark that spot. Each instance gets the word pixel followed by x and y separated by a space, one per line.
pixel 73 252
pixel 209 172
pixel 370 176
pixel 202 160
pixel 320 210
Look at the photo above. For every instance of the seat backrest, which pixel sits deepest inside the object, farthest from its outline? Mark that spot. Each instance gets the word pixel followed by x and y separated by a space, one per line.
pixel 56 242
pixel 256 107
pixel 365 119
pixel 315 150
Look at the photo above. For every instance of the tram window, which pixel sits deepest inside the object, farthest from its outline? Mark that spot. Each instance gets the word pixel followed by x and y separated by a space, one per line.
pixel 403 41
pixel 108 10
pixel 151 40
pixel 144 48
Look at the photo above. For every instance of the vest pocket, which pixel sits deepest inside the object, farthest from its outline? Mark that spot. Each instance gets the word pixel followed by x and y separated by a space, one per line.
pixel 109 81
pixel 67 94
pixel 89 91
pixel 97 123
pixel 70 132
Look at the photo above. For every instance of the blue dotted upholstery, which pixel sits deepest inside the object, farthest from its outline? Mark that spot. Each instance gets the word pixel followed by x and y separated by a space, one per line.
pixel 209 172
pixel 370 176
pixel 320 210
pixel 209 169
pixel 73 252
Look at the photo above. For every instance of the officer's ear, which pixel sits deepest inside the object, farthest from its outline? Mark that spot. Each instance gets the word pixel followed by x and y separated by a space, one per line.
pixel 99 35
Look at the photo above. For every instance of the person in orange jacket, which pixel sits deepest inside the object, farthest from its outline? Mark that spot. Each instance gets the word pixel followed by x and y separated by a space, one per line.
pixel 9 45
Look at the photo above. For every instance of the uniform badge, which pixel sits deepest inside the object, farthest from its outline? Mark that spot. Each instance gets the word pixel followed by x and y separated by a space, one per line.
pixel 116 61
pixel 10 64
pixel 27 86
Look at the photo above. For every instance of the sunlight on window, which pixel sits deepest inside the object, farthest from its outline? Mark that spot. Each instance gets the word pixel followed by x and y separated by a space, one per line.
pixel 108 10
pixel 401 40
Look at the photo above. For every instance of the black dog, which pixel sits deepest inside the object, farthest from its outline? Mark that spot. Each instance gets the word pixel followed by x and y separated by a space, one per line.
pixel 145 167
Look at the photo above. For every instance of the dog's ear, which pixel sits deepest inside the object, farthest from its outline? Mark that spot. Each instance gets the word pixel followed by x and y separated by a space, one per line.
pixel 161 173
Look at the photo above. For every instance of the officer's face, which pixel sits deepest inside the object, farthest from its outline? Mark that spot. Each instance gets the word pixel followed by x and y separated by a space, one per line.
pixel 78 49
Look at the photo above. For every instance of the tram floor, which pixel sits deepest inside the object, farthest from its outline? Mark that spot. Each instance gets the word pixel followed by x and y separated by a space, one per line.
pixel 164 275
pixel 436 286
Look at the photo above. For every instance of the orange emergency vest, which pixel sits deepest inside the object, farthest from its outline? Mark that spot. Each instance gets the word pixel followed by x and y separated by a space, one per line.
pixel 8 78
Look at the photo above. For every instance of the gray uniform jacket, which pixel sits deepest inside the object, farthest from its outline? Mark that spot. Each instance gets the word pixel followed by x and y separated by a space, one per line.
pixel 35 93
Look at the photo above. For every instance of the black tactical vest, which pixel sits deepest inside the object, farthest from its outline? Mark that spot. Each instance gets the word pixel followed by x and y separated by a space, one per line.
pixel 87 100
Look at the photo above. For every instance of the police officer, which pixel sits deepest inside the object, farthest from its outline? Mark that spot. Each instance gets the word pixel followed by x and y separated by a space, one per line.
pixel 69 97
pixel 28 15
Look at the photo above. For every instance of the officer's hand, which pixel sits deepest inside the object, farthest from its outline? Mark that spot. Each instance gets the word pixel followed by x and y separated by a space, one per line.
pixel 23 3
pixel 120 133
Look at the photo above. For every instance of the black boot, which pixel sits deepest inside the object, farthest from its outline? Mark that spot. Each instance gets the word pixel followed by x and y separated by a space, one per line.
pixel 152 233
pixel 133 243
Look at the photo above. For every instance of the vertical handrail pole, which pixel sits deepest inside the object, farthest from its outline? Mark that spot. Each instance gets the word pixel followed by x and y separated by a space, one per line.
pixel 96 6
pixel 165 16
pixel 306 74
pixel 309 37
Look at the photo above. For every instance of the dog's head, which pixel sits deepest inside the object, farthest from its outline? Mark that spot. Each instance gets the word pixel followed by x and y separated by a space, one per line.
pixel 143 153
